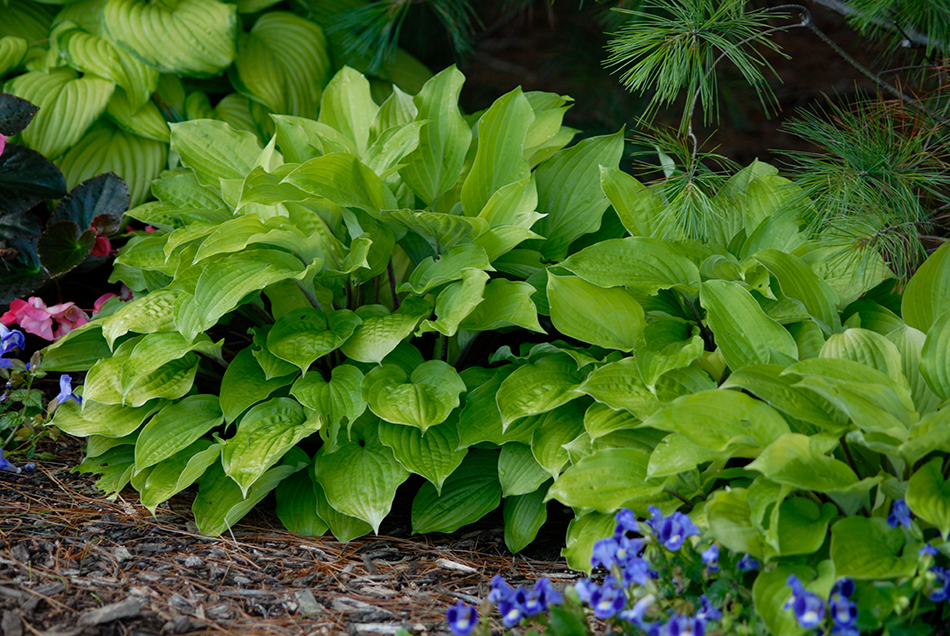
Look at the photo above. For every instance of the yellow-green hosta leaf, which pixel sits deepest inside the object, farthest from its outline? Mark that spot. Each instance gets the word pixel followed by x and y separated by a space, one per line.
pixel 273 366
pixel 928 293
pixel 303 335
pixel 584 530
pixel 607 480
pixel 619 385
pixel 729 516
pixel 181 189
pixel 432 272
pixel 214 150
pixel 348 107
pixel 283 63
pixel 379 334
pixel 605 317
pixel 798 281
pixel 935 357
pixel 435 166
pixel 744 333
pixel 115 466
pixel 514 204
pixel 339 400
pixel 95 418
pixel 106 148
pixel 434 454
pixel 361 477
pixel 385 155
pixel 499 158
pixel 468 494
pixel 344 527
pixel 524 515
pixel 264 434
pixel 910 344
pixel 518 471
pixel 297 504
pixel 12 51
pixel 241 113
pixel 191 37
pixel 676 454
pixel 244 384
pixel 68 105
pixel 600 420
pixel 793 460
pixel 343 179
pixel 928 495
pixel 505 303
pixel 396 110
pixel 423 399
pixel 558 428
pixel 868 348
pixel 720 420
pixel 220 503
pixel 170 381
pixel 538 387
pixel 455 302
pixel 441 231
pixel 170 476
pixel 669 343
pixel 638 208
pixel 176 427
pixel 771 592
pixel 868 549
pixel 480 419
pixel 94 55
pixel 146 121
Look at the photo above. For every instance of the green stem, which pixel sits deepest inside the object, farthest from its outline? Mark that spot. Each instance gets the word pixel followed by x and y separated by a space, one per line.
pixel 310 295
pixel 392 284
pixel 847 454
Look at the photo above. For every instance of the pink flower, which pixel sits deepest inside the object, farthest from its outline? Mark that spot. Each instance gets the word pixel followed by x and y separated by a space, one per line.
pixel 102 301
pixel 34 317
pixel 3 143
pixel 149 229
pixel 125 294
pixel 102 246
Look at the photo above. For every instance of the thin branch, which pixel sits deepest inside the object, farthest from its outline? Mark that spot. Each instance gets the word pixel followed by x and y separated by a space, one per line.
pixel 912 36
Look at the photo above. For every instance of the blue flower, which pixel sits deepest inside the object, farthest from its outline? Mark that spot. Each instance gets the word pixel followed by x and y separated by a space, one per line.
pixel 928 550
pixel 626 522
pixel 708 612
pixel 66 390
pixel 500 590
pixel 900 514
pixel 808 608
pixel 549 594
pixel 636 613
pixel 6 465
pixel 685 626
pixel 616 549
pixel 671 531
pixel 585 589
pixel 711 557
pixel 748 563
pixel 636 572
pixel 537 599
pixel 510 610
pixel 940 592
pixel 845 630
pixel 462 618
pixel 608 599
pixel 10 339
pixel 843 611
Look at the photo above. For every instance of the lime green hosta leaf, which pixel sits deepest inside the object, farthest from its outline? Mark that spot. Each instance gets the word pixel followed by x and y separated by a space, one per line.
pixel 468 494
pixel 220 503
pixel 455 302
pixel 638 208
pixel 283 63
pixel 225 282
pixel 799 281
pixel 499 158
pixel 431 273
pixel 569 191
pixel 720 420
pixel 169 477
pixel 676 454
pixel 385 156
pixel 928 293
pixel 935 357
pixel 244 384
pixel 619 385
pixel 582 532
pixel 297 506
pixel 68 105
pixel 115 466
pixel 480 419
pixel 339 400
pixel 214 150
pixel 361 477
pixel 175 428
pixel 273 366
pixel 518 471
pixel 344 180
pixel 396 110
pixel 600 420
pixel 538 387
pixel 170 381
pixel 440 231
pixel 644 265
pixel 348 107
pixel 181 189
pixel 766 382
pixel 868 348
pixel 105 148
pixel 557 429
pixel 608 318
pixel 669 343
pixel 793 460
pixel 191 37
pixel 524 515
pixel 12 51
pixel 84 349
pixel 928 495
pixel 931 433
pixel 422 399
pixel 771 592
pixel 606 481
pixel 910 344
pixel 504 303
pixel 95 418
pixel 803 527
pixel 379 334
pixel 304 335
pixel 263 435
pixel 91 54
pixel 729 516
pixel 241 113
pixel 301 139
pixel 145 121
pixel 344 527
pixel 434 454
pixel 434 166
pixel 156 349
pixel 868 549
pixel 513 205
pixel 744 333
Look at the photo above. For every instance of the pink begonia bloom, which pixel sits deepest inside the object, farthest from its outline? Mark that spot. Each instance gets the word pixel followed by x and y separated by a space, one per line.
pixel 3 143
pixel 102 246
pixel 34 317
pixel 149 229
pixel 96 306
pixel 125 294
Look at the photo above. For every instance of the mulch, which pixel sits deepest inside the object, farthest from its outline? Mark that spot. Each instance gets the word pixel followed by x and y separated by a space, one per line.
pixel 73 563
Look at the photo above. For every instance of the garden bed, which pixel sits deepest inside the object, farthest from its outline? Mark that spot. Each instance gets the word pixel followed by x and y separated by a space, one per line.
pixel 72 562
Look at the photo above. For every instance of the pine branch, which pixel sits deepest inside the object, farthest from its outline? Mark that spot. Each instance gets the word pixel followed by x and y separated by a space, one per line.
pixel 910 34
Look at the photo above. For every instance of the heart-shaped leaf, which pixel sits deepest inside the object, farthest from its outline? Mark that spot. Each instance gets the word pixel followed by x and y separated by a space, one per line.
pixel 61 247
pixel 303 335
pixel 103 200
pixel 26 178
pixel 469 493
pixel 422 399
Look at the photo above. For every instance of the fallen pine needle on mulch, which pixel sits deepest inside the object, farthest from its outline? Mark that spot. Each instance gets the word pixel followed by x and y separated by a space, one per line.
pixel 73 563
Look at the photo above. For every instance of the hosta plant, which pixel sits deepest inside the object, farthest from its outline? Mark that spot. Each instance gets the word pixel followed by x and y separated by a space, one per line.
pixel 36 244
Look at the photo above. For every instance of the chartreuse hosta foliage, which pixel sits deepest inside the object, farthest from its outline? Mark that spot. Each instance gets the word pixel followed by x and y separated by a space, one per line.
pixel 107 76
pixel 265 349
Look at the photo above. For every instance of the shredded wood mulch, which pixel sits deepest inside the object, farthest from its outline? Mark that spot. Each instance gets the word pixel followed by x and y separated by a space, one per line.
pixel 73 563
